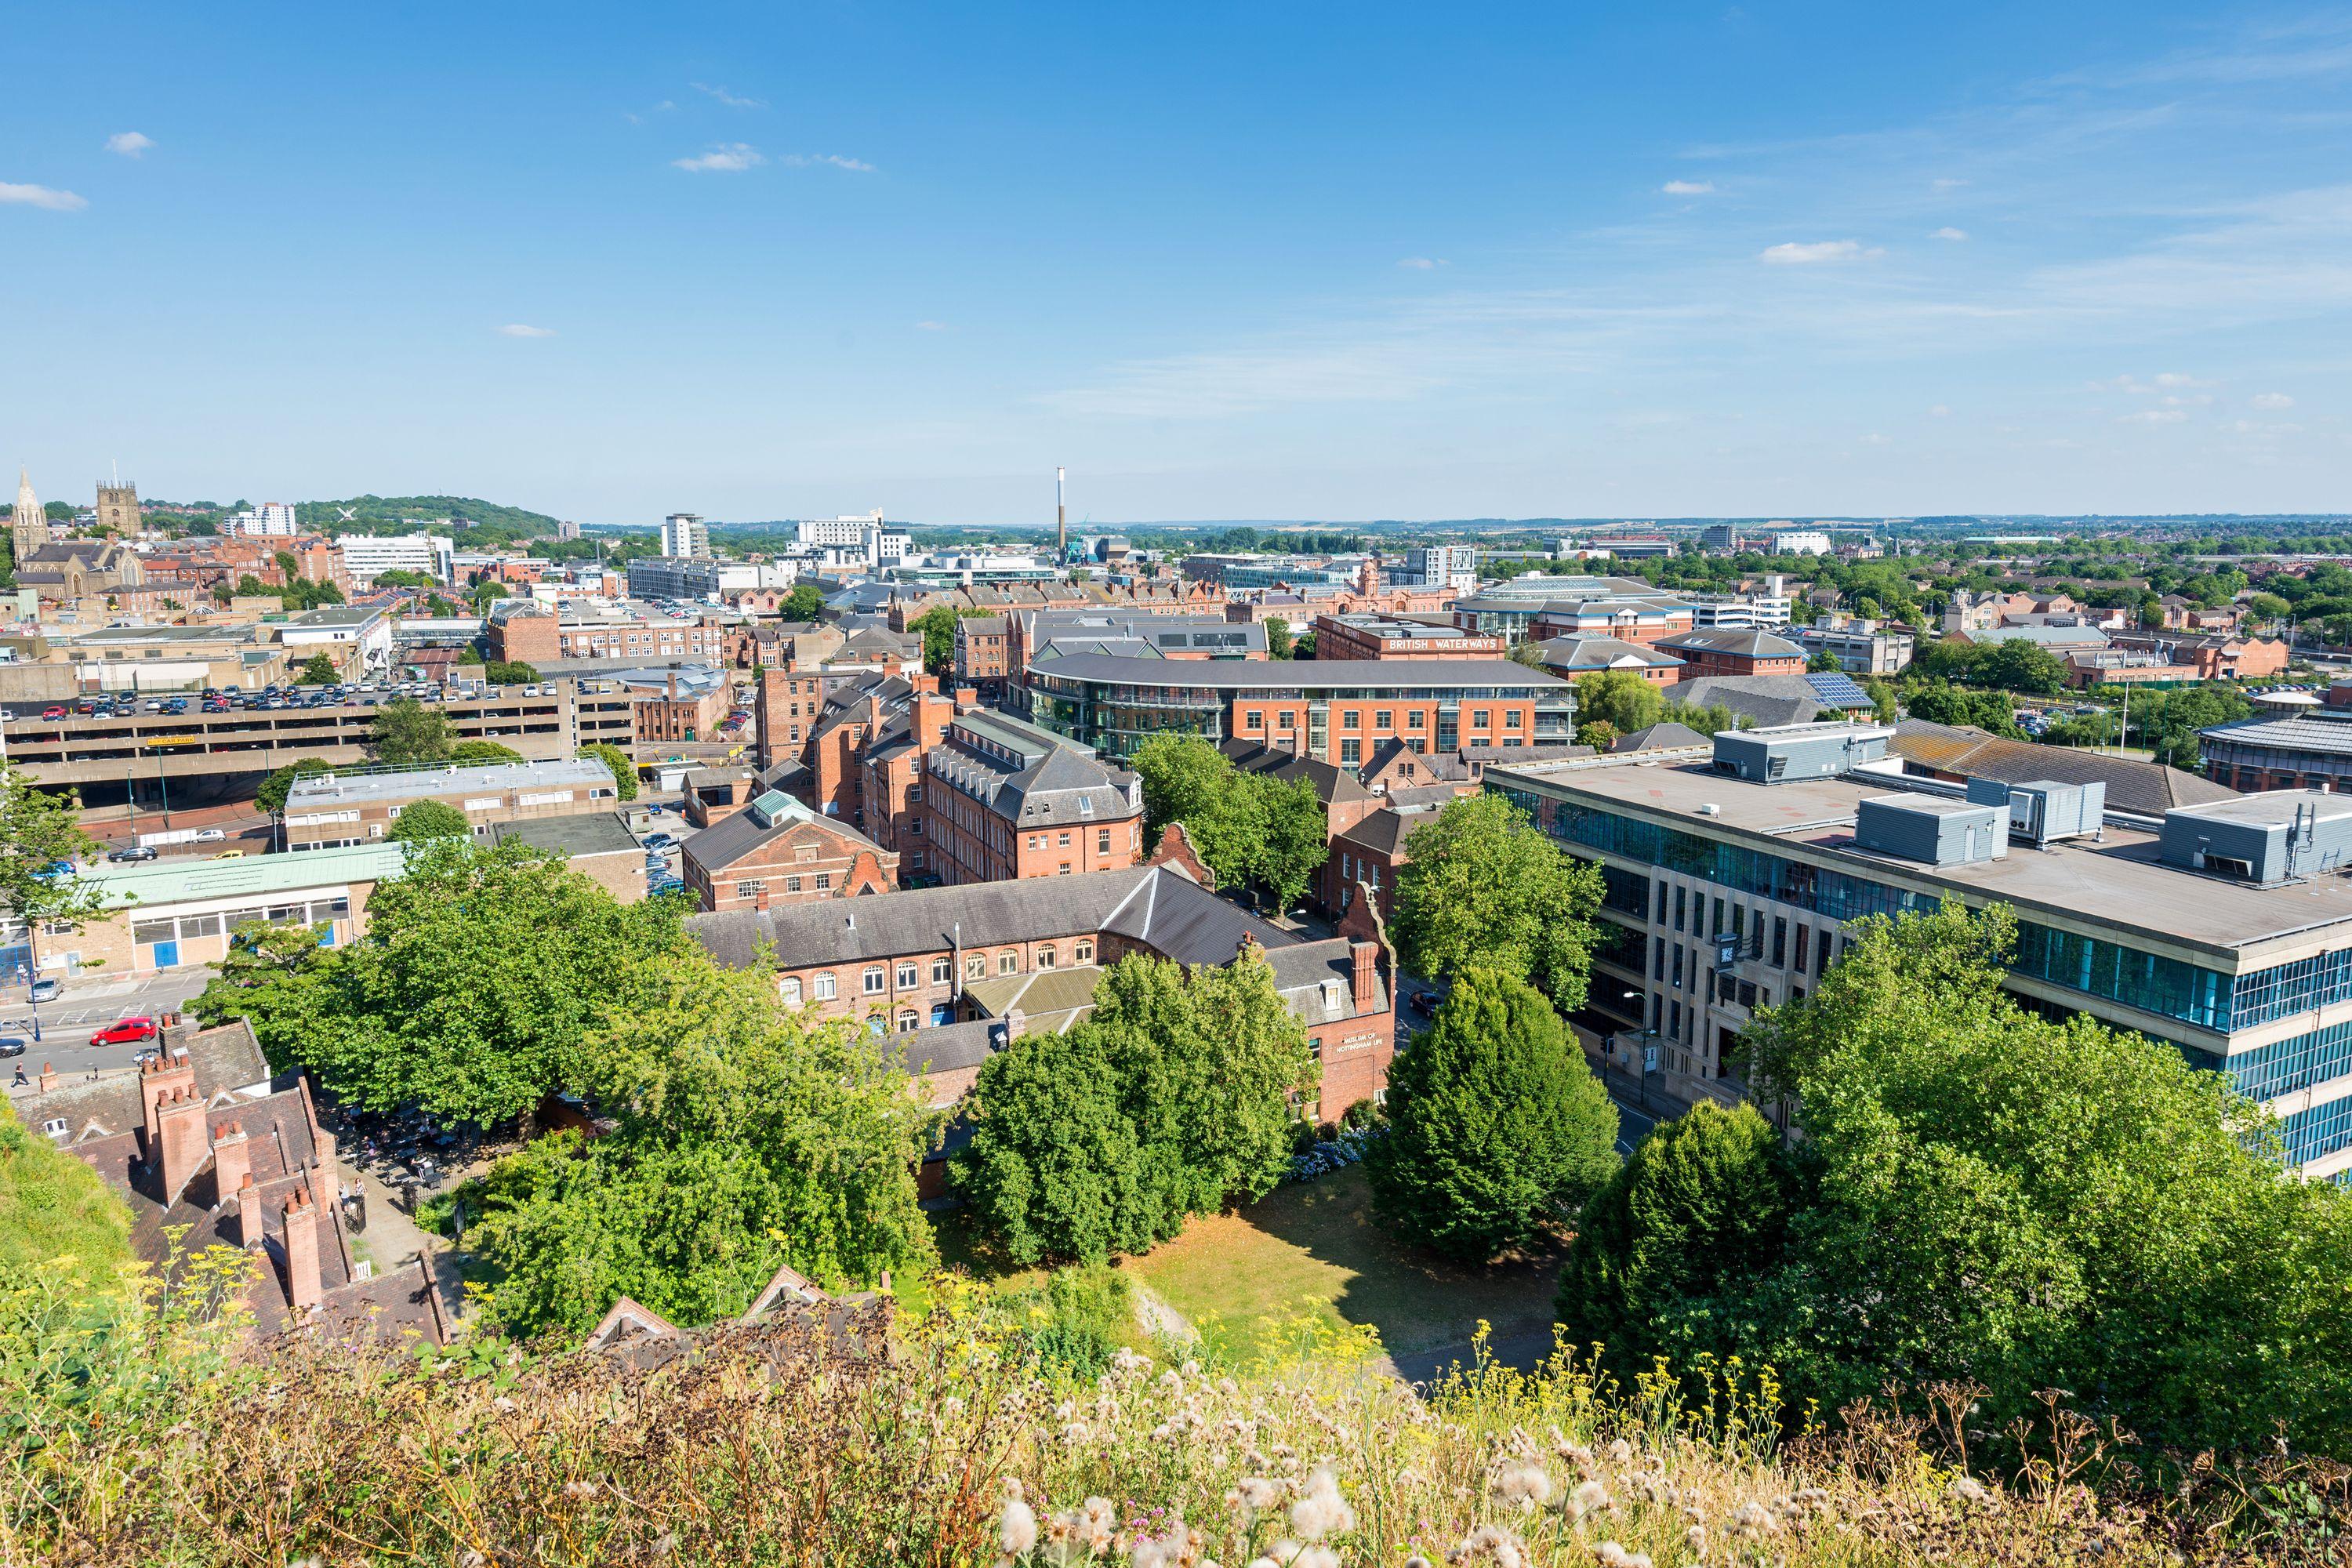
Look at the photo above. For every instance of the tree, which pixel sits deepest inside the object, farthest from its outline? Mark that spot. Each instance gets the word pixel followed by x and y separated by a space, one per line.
pixel 422 820
pixel 747 1136
pixel 250 586
pixel 1173 1098
pixel 271 796
pixel 1824 663
pixel 625 772
pixel 509 672
pixel 1483 888
pixel 40 841
pixel 1277 637
pixel 1294 841
pixel 1528 652
pixel 1599 735
pixel 483 752
pixel 1246 827
pixel 804 603
pixel 1494 1121
pixel 319 670
pixel 1618 698
pixel 470 657
pixel 937 626
pixel 1700 1208
pixel 406 731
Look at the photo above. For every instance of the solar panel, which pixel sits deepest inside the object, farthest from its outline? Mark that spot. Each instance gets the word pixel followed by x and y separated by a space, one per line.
pixel 1838 691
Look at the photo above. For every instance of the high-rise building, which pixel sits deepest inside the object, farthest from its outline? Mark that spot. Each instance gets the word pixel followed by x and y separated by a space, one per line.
pixel 683 533
pixel 365 555
pixel 28 526
pixel 118 509
pixel 270 519
pixel 1451 566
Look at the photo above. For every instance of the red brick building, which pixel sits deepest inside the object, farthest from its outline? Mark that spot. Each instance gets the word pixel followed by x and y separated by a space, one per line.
pixel 776 851
pixel 1727 652
pixel 528 632
pixel 1387 637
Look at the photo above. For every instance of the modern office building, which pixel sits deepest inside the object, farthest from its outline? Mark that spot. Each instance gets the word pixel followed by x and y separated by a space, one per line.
pixel 2223 929
pixel 270 519
pixel 2300 748
pixel 1863 647
pixel 366 556
pixel 683 533
pixel 689 577
pixel 1337 710
pixel 1439 566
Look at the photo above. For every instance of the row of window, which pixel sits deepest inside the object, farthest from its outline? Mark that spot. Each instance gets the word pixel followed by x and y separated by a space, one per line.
pixel 316 911
pixel 822 883
pixel 874 980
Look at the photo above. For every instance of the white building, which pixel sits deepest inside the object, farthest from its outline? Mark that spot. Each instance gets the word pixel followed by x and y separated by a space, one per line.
pixel 688 577
pixel 1802 541
pixel 1439 566
pixel 365 557
pixel 270 519
pixel 683 533
pixel 356 626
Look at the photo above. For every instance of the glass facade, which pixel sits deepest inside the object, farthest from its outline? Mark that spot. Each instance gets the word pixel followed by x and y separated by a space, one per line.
pixel 2322 1131
pixel 2285 1065
pixel 2289 988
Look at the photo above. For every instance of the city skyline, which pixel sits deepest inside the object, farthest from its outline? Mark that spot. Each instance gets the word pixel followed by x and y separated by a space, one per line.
pixel 1330 265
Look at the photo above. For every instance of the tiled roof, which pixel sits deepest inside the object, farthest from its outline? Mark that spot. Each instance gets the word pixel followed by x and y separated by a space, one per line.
pixel 2145 787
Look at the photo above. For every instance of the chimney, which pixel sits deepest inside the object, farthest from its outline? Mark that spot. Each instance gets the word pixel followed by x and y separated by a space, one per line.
pixel 180 1139
pixel 232 1162
pixel 931 715
pixel 248 1212
pixel 304 1288
pixel 158 1077
pixel 759 899
pixel 1364 978
pixel 1015 1021
pixel 49 1078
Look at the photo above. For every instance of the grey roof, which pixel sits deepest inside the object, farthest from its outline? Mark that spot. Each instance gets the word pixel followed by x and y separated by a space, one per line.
pixel 2048 636
pixel 1659 736
pixel 2325 732
pixel 589 833
pixel 1582 653
pixel 1384 832
pixel 1029 776
pixel 2146 787
pixel 1761 698
pixel 1305 975
pixel 1331 782
pixel 1244 674
pixel 947 1047
pixel 1155 906
pixel 739 833
pixel 1748 644
pixel 457 778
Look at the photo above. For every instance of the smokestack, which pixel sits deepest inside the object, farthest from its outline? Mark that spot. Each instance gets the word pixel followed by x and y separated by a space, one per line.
pixel 1060 521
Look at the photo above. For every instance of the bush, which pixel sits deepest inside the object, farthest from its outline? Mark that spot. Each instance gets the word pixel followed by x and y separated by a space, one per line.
pixel 1092 1311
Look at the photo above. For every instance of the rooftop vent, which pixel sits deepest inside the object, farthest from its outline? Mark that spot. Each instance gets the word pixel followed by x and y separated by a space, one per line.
pixel 1932 830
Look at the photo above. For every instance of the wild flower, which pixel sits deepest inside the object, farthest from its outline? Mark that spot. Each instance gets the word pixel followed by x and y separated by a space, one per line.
pixel 1752 1521
pixel 1589 1497
pixel 1968 1490
pixel 1016 1529
pixel 1529 1486
pixel 1491 1544
pixel 1612 1554
pixel 1321 1511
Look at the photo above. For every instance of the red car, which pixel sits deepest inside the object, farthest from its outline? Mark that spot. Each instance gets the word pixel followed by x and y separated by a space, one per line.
pixel 125 1031
pixel 53 712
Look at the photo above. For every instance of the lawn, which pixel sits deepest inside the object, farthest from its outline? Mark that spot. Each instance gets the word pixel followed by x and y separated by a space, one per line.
pixel 1317 1248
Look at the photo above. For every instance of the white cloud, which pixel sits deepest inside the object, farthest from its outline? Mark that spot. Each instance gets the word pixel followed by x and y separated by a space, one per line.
pixel 1948 232
pixel 1794 254
pixel 1874 439
pixel 725 97
pixel 1946 184
pixel 2154 417
pixel 811 159
pixel 2273 400
pixel 40 196
pixel 931 326
pixel 1421 263
pixel 1688 187
pixel 2161 381
pixel 1941 411
pixel 725 158
pixel 130 143
pixel 517 330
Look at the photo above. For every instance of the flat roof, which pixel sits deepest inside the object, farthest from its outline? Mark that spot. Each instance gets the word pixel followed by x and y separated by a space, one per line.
pixel 344 789
pixel 2117 880
pixel 583 833
pixel 337 616
pixel 156 883
pixel 1304 672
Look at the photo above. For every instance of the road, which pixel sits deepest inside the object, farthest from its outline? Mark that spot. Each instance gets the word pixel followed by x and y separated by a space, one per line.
pixel 67 1022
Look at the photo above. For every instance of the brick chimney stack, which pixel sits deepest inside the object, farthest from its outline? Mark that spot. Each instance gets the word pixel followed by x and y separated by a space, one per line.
pixel 304 1288
pixel 759 899
pixel 1364 977
pixel 248 1212
pixel 180 1139
pixel 48 1081
pixel 159 1076
pixel 232 1162
pixel 932 712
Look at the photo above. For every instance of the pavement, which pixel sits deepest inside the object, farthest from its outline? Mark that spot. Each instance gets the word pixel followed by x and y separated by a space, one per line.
pixel 87 1002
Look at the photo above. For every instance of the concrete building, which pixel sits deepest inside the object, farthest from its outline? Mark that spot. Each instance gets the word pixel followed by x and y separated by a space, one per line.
pixel 1763 609
pixel 1451 566
pixel 366 556
pixel 2219 927
pixel 1391 637
pixel 1863 647
pixel 1802 542
pixel 683 534
pixel 1337 710
pixel 689 577
pixel 270 519
pixel 333 810
pixel 2306 749
pixel 597 843
pixel 357 637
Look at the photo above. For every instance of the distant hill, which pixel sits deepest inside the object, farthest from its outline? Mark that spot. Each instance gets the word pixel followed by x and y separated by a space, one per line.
pixel 370 514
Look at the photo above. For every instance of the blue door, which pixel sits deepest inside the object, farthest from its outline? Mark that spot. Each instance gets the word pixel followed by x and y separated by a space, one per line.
pixel 167 954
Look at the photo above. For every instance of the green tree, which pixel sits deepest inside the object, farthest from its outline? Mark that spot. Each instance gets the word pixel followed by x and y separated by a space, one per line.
pixel 625 772
pixel 1528 652
pixel 2017 665
pixel 483 752
pixel 40 842
pixel 1495 1123
pixel 422 820
pixel 250 586
pixel 1483 888
pixel 1824 663
pixel 1679 1230
pixel 271 796
pixel 319 670
pixel 469 656
pixel 509 672
pixel 1277 637
pixel 406 731
pixel 1294 841
pixel 804 603
pixel 937 626
pixel 747 1136
pixel 1173 1098
pixel 57 1216
pixel 1599 735
pixel 1618 698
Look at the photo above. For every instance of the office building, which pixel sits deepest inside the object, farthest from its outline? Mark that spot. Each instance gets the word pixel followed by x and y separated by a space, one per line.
pixel 367 556
pixel 2307 748
pixel 1863 647
pixel 2223 929
pixel 334 810
pixel 776 851
pixel 1802 542
pixel 1394 637
pixel 683 533
pixel 356 637
pixel 689 577
pixel 270 519
pixel 1439 566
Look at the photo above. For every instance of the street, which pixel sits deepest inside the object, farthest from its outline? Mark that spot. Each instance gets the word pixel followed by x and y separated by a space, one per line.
pixel 89 1002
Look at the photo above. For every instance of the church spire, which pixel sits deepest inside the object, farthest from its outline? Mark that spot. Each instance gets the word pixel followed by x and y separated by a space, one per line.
pixel 29 528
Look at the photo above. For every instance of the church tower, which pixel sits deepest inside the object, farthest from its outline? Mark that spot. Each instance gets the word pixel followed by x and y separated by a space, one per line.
pixel 118 509
pixel 29 527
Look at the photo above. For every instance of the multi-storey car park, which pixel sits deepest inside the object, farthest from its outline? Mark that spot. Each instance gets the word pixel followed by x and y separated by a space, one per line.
pixel 1338 711
pixel 2223 929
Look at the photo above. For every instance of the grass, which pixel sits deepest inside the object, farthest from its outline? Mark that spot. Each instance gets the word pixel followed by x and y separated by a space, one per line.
pixel 1318 1247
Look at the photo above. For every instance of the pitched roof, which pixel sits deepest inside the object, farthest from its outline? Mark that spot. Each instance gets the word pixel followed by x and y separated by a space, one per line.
pixel 1332 784
pixel 1724 639
pixel 1760 699
pixel 1384 832
pixel 2146 787
pixel 1582 654
pixel 1658 737
pixel 740 833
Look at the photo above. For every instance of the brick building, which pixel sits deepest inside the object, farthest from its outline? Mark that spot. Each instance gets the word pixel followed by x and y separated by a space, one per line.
pixel 1729 652
pixel 777 851
pixel 982 657
pixel 528 632
pixel 1389 636
pixel 997 799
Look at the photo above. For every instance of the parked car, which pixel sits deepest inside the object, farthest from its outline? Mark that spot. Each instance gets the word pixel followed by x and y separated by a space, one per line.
pixel 47 990
pixel 659 841
pixel 130 852
pixel 177 705
pixel 124 1032
pixel 211 835
pixel 230 854
pixel 54 710
pixel 13 1046
pixel 657 885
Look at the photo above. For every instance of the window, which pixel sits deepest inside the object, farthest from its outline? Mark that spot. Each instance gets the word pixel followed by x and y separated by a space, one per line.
pixel 1351 719
pixel 791 884
pixel 1780 942
pixel 1083 954
pixel 1045 957
pixel 942 971
pixel 1416 720
pixel 824 880
pixel 750 889
pixel 1511 717
pixel 153 930
pixel 1064 842
pixel 821 985
pixel 1008 963
pixel 907 973
pixel 1383 720
pixel 976 968
pixel 1253 720
pixel 1065 870
pixel 789 989
pixel 877 978
pixel 1102 841
pixel 906 1020
pixel 1351 751
pixel 1477 718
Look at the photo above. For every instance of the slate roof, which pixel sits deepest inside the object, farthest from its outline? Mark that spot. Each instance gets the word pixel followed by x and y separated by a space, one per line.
pixel 1053 783
pixel 1660 736
pixel 227 1057
pixel 1722 640
pixel 1332 784
pixel 1383 833
pixel 740 833
pixel 1155 906
pixel 2325 732
pixel 2149 789
pixel 1584 654
pixel 1763 699
pixel 947 1047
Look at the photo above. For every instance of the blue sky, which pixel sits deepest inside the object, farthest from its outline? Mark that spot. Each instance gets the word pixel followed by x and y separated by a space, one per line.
pixel 1260 261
